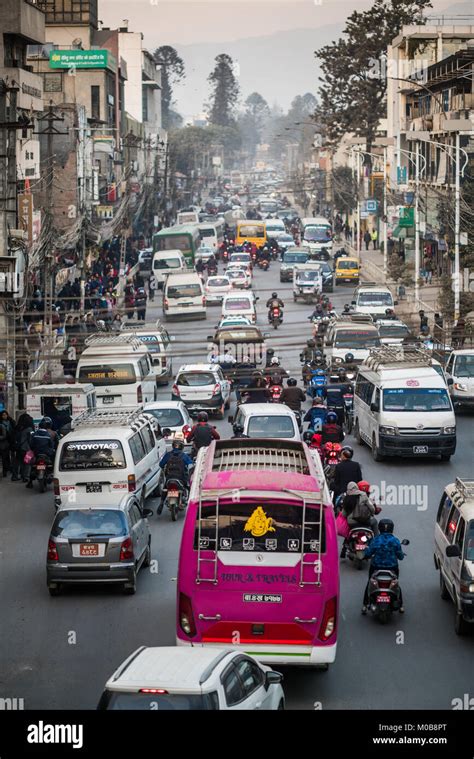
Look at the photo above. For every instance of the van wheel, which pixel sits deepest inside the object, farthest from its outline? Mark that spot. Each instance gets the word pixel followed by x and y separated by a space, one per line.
pixel 443 591
pixel 357 434
pixel 131 588
pixel 376 455
pixel 461 627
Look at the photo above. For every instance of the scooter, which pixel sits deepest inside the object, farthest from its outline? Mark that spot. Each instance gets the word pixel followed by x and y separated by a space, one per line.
pixel 276 317
pixel 174 493
pixel 384 593
pixel 42 470
pixel 348 411
pixel 358 540
pixel 332 457
pixel 264 264
pixel 275 392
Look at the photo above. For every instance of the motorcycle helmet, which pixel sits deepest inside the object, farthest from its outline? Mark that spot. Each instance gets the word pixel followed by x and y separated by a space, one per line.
pixel 274 361
pixel 310 343
pixel 348 451
pixel 385 526
pixel 307 436
pixel 319 308
pixel 319 373
pixel 364 486
pixel 349 358
pixel 46 423
pixel 292 382
pixel 346 308
pixel 202 416
pixel 274 295
pixel 331 418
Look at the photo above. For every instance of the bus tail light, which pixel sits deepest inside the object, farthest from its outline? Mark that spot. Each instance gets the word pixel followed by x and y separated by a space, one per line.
pixel 132 483
pixel 186 617
pixel 328 624
pixel 139 394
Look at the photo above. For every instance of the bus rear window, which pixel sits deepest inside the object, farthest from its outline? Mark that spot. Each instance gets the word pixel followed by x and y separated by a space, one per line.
pixel 105 374
pixel 268 527
pixel 173 242
pixel 80 455
pixel 250 230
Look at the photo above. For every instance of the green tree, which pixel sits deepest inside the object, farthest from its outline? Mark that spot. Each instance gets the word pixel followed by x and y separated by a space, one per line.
pixel 352 94
pixel 253 120
pixel 191 147
pixel 224 92
pixel 172 71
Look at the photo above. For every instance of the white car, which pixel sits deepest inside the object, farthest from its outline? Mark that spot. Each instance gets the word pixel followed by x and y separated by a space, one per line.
pixel 171 415
pixel 239 278
pixel 203 253
pixel 202 387
pixel 242 258
pixel 216 287
pixel 392 331
pixel 271 420
pixel 192 679
pixel 243 304
pixel 460 372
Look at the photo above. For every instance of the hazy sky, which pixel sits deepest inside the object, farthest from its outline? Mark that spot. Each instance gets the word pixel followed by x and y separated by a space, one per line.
pixel 190 21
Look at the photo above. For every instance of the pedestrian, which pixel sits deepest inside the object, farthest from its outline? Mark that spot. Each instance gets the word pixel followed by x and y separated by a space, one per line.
pixel 374 238
pixel 367 238
pixel 459 333
pixel 428 266
pixel 24 428
pixel 423 319
pixel 140 303
pixel 6 441
pixel 152 286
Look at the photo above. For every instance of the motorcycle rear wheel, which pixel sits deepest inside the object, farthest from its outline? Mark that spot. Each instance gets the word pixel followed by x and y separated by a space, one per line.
pixel 383 617
pixel 174 511
pixel 42 485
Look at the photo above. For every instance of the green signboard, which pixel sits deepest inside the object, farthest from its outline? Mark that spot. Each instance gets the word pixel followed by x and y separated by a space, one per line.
pixel 407 217
pixel 79 59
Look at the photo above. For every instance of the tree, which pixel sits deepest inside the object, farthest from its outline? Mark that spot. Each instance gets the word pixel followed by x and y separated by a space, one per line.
pixel 191 148
pixel 253 121
pixel 225 92
pixel 172 71
pixel 352 95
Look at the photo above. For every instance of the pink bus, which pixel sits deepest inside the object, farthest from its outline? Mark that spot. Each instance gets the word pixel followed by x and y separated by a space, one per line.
pixel 259 564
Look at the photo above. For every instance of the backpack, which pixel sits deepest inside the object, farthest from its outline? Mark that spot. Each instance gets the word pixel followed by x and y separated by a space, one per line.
pixel 362 512
pixel 175 468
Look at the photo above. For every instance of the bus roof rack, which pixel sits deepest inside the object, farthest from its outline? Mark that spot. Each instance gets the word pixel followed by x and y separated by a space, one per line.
pixel 98 340
pixel 126 417
pixel 256 454
pixel 465 487
pixel 393 356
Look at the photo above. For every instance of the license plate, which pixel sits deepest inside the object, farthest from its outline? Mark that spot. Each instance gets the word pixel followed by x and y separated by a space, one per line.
pixel 41 466
pixel 383 599
pixel 173 493
pixel 360 547
pixel 108 399
pixel 89 549
pixel 420 449
pixel 94 487
pixel 264 598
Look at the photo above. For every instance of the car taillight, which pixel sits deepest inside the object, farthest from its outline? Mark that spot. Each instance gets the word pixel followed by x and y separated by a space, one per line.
pixel 166 303
pixel 132 483
pixel 217 389
pixel 126 550
pixel 328 625
pixel 186 430
pixel 52 551
pixel 186 617
pixel 276 311
pixel 175 390
pixel 139 394
pixel 56 486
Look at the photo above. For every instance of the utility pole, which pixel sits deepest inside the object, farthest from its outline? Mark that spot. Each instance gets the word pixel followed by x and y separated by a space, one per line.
pixel 457 195
pixel 385 220
pixel 417 225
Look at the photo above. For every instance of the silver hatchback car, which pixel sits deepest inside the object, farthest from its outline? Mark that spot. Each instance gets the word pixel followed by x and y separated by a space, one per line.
pixel 99 544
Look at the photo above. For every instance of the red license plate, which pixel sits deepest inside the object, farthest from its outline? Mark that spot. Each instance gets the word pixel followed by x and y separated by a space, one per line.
pixel 383 599
pixel 89 549
pixel 173 493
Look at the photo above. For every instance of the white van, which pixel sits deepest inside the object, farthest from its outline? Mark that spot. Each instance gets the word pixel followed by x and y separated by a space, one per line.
pixel 372 299
pixel 120 368
pixel 107 455
pixel 157 341
pixel 266 420
pixel 316 233
pixel 187 217
pixel 355 334
pixel 183 295
pixel 59 401
pixel 402 406
pixel 274 227
pixel 460 374
pixel 242 304
pixel 166 262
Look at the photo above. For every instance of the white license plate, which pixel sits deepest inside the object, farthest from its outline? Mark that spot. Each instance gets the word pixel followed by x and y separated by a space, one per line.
pixel 420 449
pixel 383 599
pixel 108 399
pixel 94 487
pixel 40 467
pixel 360 547
pixel 265 598
pixel 173 493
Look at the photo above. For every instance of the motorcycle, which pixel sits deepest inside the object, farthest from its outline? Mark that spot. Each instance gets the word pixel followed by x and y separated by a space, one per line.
pixel 264 264
pixel 332 457
pixel 275 254
pixel 174 493
pixel 358 540
pixel 42 470
pixel 211 270
pixel 384 593
pixel 253 257
pixel 225 256
pixel 276 317
pixel 275 391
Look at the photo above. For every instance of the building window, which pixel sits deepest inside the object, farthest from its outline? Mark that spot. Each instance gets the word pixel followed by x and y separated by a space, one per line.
pixel 53 82
pixel 64 11
pixel 95 101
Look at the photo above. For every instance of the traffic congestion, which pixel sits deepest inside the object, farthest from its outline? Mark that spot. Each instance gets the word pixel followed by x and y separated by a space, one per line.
pixel 268 458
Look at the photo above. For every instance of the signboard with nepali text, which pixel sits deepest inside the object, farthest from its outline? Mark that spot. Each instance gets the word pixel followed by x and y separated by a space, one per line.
pixel 81 59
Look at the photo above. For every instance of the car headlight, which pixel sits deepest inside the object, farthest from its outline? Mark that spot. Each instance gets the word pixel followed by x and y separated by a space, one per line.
pixel 350 375
pixel 449 430
pixel 337 360
pixel 460 386
pixel 388 430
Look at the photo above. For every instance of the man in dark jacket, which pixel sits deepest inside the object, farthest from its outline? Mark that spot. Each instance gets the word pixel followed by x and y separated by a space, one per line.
pixel 385 551
pixel 292 395
pixel 41 443
pixel 24 428
pixel 346 471
pixel 202 433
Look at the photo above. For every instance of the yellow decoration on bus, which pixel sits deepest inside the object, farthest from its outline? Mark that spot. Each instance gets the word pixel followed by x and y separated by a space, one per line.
pixel 258 523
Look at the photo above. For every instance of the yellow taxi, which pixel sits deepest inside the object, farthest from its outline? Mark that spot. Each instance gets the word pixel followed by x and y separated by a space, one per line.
pixel 347 270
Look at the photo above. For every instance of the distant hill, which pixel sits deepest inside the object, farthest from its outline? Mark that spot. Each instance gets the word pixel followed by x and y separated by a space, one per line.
pixel 278 66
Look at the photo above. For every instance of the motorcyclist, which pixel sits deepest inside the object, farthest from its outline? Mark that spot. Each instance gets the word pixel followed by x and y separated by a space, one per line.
pixel 318 312
pixel 277 374
pixel 385 551
pixel 293 396
pixel 257 391
pixel 202 433
pixel 42 444
pixel 308 353
pixel 335 391
pixel 274 302
pixel 346 471
pixel 177 452
pixel 238 432
pixel 211 264
pixel 358 509
pixel 316 415
pixel 317 387
pixel 331 431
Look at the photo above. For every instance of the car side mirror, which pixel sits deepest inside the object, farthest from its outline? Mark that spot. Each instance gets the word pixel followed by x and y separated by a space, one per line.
pixel 395 302
pixel 449 381
pixel 147 513
pixel 374 407
pixel 453 551
pixel 353 303
pixel 405 542
pixel 273 678
pixel 230 419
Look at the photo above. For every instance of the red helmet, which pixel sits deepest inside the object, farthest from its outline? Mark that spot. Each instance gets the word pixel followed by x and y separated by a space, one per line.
pixel 364 486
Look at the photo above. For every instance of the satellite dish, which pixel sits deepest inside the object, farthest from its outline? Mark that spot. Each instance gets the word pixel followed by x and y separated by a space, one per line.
pixel 77 42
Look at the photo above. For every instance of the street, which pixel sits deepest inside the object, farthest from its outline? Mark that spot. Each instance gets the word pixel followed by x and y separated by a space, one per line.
pixel 57 653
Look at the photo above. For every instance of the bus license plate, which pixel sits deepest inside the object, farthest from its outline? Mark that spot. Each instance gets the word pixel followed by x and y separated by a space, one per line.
pixel 263 598
pixel 94 487
pixel 420 449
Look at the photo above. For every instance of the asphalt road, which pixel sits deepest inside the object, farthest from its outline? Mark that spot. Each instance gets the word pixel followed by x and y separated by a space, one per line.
pixel 57 653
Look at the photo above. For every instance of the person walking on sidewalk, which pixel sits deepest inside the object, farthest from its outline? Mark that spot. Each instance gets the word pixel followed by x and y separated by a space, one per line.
pixel 367 239
pixel 374 237
pixel 428 267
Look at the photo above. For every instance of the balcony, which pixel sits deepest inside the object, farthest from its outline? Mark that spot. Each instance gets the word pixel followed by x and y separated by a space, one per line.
pixel 24 19
pixel 30 88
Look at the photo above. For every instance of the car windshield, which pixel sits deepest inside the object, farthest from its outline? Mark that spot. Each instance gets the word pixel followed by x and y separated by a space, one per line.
pixel 307 276
pixel 416 399
pixel 395 330
pixel 167 417
pixel 236 274
pixel 375 299
pixel 345 264
pixel 173 241
pixel 464 366
pixel 284 238
pixel 357 339
pixel 317 234
pixel 78 455
pixel 272 528
pixel 271 426
pixel 295 258
pixel 469 543
pixel 164 702
pixel 218 282
pixel 166 263
pixel 196 379
pixel 184 291
pixel 81 524
pixel 240 257
pixel 104 374
pixel 238 304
